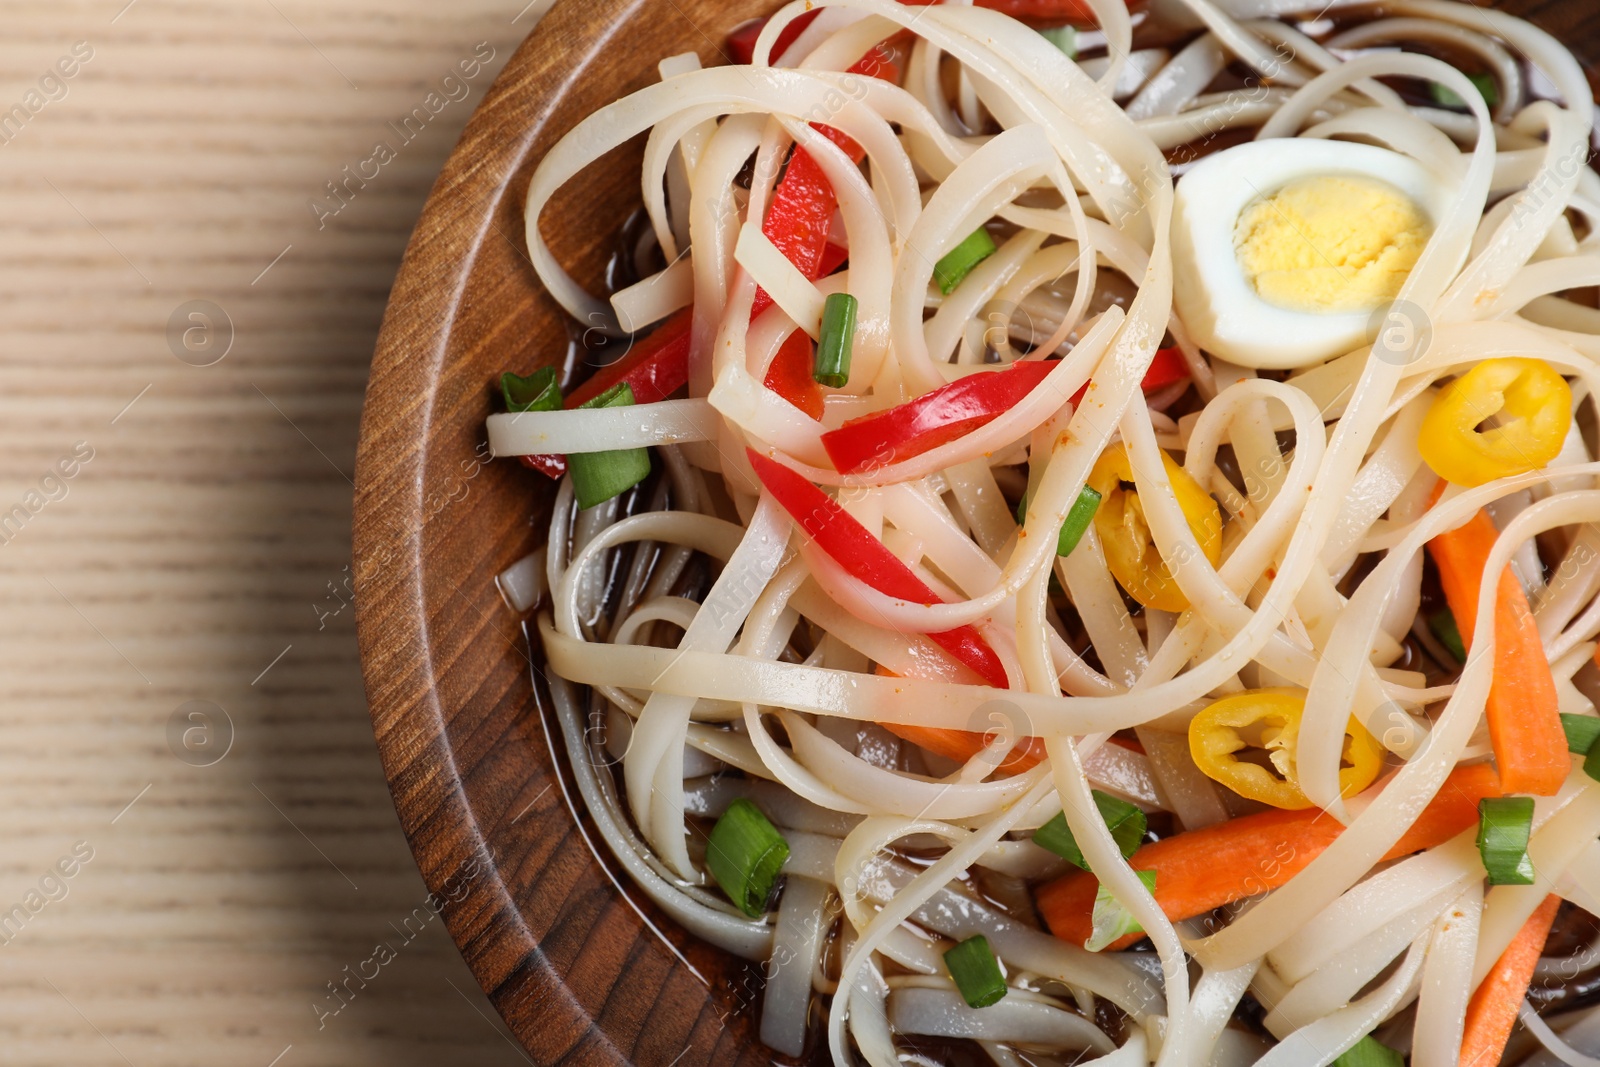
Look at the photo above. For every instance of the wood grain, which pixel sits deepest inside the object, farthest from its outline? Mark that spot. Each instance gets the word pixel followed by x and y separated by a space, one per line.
pixel 582 967
pixel 188 554
pixel 576 966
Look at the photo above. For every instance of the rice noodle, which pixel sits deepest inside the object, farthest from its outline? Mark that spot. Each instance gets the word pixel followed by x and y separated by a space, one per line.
pixel 700 653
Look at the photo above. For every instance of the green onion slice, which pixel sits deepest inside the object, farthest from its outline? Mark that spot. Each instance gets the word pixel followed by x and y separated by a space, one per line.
pixel 539 391
pixel 1078 518
pixel 1369 1052
pixel 1581 732
pixel 832 365
pixel 1111 920
pixel 599 476
pixel 1591 763
pixel 745 854
pixel 959 261
pixel 1126 823
pixel 1504 824
pixel 1485 84
pixel 1443 625
pixel 976 972
pixel 1063 37
pixel 1077 522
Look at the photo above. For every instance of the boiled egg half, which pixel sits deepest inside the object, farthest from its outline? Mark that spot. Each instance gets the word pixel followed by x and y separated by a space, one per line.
pixel 1284 248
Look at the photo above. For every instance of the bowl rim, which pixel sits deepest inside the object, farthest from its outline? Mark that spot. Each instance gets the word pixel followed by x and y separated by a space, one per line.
pixel 398 412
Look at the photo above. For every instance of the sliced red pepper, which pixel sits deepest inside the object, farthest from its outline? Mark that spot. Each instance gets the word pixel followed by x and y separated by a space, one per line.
pixel 797 220
pixel 790 375
pixel 863 556
pixel 803 202
pixel 1040 12
pixel 1167 367
pixel 932 419
pixel 654 369
pixel 551 466
pixel 1074 11
pixel 742 41
pixel 833 257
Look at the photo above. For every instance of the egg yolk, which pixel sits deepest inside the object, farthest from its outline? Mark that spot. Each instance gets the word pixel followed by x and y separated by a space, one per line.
pixel 1330 243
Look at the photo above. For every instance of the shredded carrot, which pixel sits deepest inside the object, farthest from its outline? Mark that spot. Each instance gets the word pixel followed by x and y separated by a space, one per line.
pixel 1210 868
pixel 1493 1008
pixel 1530 747
pixel 1132 744
pixel 962 745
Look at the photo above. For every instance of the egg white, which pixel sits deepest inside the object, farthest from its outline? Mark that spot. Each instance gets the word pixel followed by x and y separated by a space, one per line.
pixel 1216 300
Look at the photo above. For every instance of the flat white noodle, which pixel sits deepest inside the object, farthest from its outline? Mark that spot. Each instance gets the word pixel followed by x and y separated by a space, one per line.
pixel 728 658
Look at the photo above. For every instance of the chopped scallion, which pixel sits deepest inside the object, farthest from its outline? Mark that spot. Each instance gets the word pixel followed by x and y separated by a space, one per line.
pixel 1078 519
pixel 538 391
pixel 976 972
pixel 1126 823
pixel 599 476
pixel 1485 84
pixel 1581 732
pixel 1064 38
pixel 1111 920
pixel 957 263
pixel 1077 522
pixel 1504 824
pixel 832 365
pixel 1443 625
pixel 745 854
pixel 1369 1052
pixel 1591 763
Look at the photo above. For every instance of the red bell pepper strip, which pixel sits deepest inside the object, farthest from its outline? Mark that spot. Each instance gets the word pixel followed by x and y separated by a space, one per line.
pixel 849 543
pixel 551 466
pixel 1045 11
pixel 797 223
pixel 742 41
pixel 932 419
pixel 790 375
pixel 654 369
pixel 1041 12
pixel 797 220
pixel 833 257
pixel 1167 367
pixel 803 202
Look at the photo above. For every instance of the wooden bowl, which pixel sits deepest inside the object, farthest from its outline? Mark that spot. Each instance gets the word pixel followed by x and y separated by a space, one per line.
pixel 583 967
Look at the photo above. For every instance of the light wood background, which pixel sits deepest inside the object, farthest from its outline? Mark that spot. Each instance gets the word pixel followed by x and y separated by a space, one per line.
pixel 191 558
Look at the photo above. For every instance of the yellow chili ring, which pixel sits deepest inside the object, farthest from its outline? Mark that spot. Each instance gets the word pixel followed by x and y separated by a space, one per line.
pixel 1125 535
pixel 1534 408
pixel 1263 725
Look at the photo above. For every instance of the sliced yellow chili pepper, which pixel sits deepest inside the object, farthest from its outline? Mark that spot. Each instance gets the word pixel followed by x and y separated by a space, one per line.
pixel 1534 408
pixel 1125 535
pixel 1263 725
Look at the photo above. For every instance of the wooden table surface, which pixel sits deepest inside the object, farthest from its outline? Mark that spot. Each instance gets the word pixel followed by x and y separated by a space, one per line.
pixel 199 549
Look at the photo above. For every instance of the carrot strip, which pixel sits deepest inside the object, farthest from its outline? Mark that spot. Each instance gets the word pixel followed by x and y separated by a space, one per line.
pixel 1210 868
pixel 1530 747
pixel 1493 1008
pixel 962 745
